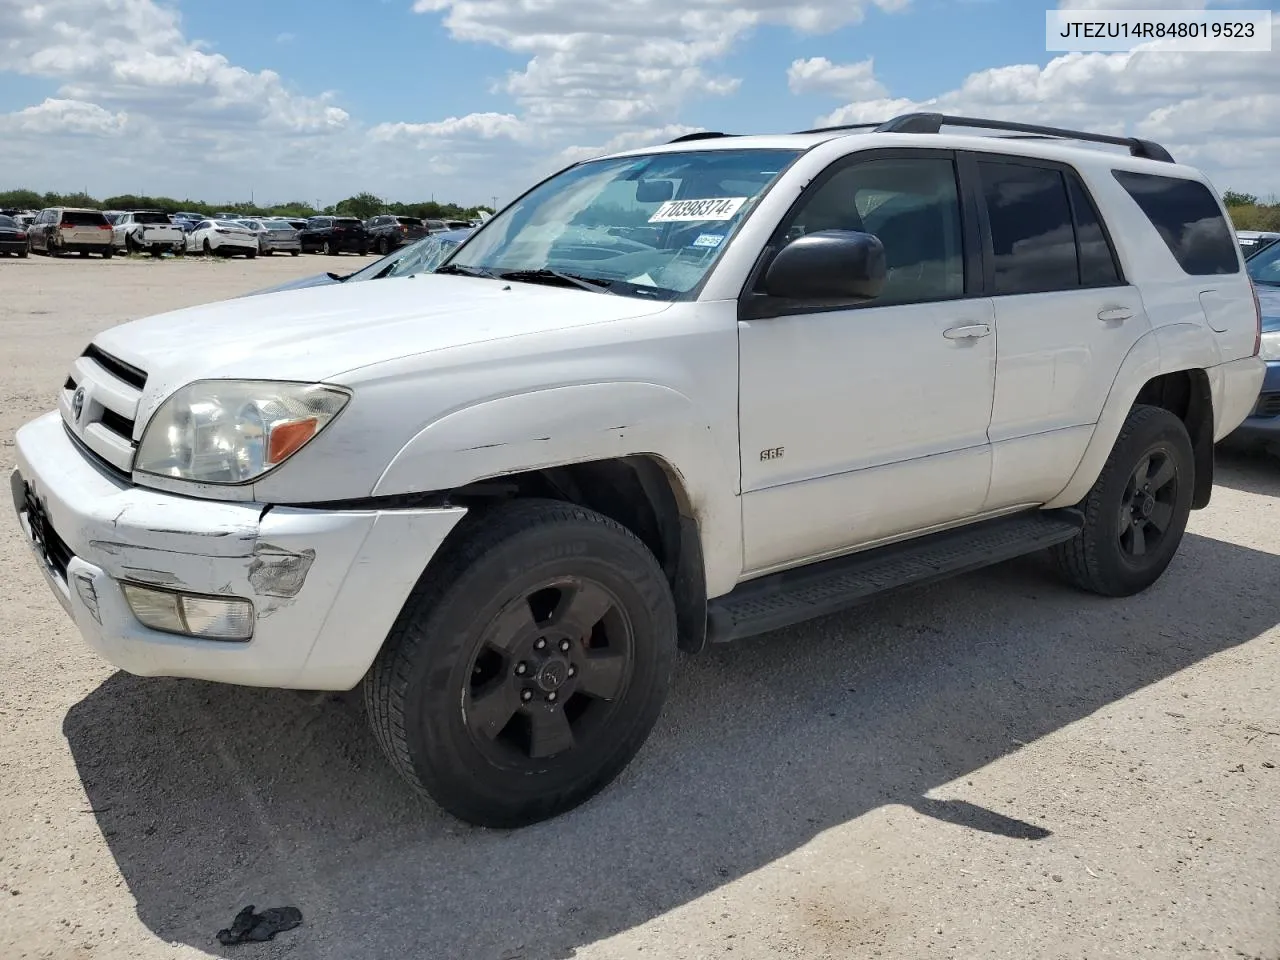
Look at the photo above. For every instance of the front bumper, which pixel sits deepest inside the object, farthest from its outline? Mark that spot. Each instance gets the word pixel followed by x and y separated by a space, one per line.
pixel 326 585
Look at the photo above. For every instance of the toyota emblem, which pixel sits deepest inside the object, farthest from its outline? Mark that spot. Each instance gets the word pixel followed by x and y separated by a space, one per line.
pixel 77 404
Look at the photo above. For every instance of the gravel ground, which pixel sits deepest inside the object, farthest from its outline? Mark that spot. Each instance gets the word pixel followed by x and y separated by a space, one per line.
pixel 992 767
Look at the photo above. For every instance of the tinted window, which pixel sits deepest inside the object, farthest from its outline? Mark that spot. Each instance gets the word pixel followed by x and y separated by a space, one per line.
pixel 410 221
pixel 1188 219
pixel 1097 261
pixel 1032 239
pixel 912 206
pixel 150 218
pixel 83 218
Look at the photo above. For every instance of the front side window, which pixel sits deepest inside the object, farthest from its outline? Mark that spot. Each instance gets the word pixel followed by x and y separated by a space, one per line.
pixel 1188 219
pixel 911 205
pixel 647 226
pixel 1033 242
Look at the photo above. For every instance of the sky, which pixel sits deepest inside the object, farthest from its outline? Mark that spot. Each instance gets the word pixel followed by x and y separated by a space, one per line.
pixel 473 100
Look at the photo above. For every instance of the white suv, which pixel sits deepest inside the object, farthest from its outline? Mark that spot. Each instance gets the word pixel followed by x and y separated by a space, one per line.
pixel 676 395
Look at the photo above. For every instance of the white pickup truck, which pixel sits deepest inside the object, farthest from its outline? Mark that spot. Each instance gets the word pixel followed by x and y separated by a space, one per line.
pixel 673 396
pixel 148 231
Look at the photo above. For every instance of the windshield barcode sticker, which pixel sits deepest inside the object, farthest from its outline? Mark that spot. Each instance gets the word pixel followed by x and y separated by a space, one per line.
pixel 712 208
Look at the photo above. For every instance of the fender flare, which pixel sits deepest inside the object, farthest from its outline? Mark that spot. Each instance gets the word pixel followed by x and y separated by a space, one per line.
pixel 1168 349
pixel 566 425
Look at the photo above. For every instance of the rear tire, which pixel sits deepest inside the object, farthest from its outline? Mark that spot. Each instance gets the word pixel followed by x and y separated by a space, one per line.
pixel 208 248
pixel 24 252
pixel 528 666
pixel 108 253
pixel 294 253
pixel 1137 511
pixel 250 254
pixel 333 249
pixel 384 247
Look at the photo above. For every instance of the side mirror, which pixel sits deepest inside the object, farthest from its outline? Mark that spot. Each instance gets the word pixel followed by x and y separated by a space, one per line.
pixel 830 265
pixel 654 191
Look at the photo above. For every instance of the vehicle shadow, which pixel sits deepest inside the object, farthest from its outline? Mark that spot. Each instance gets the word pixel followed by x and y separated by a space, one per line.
pixel 213 797
pixel 1249 469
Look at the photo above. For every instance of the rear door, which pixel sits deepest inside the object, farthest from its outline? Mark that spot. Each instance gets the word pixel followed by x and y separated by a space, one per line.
pixel 1065 320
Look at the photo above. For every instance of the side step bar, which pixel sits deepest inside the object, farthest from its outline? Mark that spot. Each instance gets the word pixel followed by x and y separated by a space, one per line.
pixel 793 596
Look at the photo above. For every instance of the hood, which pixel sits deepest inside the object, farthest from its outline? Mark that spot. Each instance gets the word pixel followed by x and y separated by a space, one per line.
pixel 317 333
pixel 317 280
pixel 1269 300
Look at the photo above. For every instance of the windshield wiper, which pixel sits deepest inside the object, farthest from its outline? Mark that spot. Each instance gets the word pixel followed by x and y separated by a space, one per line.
pixel 545 275
pixel 463 271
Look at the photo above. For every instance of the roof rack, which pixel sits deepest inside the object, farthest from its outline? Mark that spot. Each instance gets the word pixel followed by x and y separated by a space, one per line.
pixel 701 135
pixel 933 123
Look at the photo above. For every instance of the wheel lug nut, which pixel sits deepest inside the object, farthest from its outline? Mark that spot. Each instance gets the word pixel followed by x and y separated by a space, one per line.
pixel 526 695
pixel 521 669
pixel 564 646
pixel 540 644
pixel 573 671
pixel 551 697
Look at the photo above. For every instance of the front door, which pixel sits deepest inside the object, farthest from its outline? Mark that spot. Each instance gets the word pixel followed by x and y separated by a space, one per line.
pixel 868 422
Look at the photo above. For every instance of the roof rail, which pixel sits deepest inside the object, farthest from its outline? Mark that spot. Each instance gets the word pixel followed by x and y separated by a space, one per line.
pixel 841 126
pixel 701 135
pixel 933 123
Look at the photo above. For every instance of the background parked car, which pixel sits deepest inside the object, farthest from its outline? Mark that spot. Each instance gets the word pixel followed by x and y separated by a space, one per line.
pixel 60 230
pixel 333 235
pixel 224 238
pixel 274 235
pixel 13 237
pixel 187 221
pixel 421 256
pixel 1262 426
pixel 1253 241
pixel 147 231
pixel 387 232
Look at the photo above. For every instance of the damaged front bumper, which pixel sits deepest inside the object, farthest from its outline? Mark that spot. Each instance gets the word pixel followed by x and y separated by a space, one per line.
pixel 326 585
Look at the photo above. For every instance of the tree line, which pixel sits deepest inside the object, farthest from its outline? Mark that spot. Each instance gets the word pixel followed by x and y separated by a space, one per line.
pixel 362 205
pixel 1249 213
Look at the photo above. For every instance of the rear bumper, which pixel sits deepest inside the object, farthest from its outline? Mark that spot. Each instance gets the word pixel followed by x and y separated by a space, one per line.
pixel 1263 421
pixel 326 585
pixel 13 246
pixel 270 243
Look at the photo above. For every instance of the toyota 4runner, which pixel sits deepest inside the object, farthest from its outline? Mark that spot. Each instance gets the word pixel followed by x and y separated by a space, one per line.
pixel 673 396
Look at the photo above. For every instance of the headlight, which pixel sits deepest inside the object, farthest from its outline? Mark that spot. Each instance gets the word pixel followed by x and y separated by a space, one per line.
pixel 233 431
pixel 1270 349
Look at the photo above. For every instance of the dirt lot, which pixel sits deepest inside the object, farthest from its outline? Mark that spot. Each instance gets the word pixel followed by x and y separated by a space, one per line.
pixel 993 767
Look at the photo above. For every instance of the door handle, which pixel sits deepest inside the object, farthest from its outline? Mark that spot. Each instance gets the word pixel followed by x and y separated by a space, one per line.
pixel 1115 315
pixel 972 331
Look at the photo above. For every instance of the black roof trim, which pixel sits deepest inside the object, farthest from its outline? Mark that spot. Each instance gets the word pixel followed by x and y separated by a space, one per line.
pixel 701 135
pixel 934 122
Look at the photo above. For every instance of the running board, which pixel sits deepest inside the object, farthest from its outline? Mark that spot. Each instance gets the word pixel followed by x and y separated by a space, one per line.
pixel 816 590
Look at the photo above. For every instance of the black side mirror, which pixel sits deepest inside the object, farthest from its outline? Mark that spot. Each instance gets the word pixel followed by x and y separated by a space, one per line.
pixel 830 265
pixel 654 191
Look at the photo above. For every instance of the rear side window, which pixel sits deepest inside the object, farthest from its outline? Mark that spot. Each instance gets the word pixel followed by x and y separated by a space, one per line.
pixel 1097 260
pixel 1032 238
pixel 82 218
pixel 1187 218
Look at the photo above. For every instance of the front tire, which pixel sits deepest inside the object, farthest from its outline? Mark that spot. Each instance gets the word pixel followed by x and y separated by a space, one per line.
pixel 528 666
pixel 1137 511
pixel 250 254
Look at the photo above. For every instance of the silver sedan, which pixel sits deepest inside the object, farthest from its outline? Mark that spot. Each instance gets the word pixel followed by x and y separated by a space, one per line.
pixel 274 235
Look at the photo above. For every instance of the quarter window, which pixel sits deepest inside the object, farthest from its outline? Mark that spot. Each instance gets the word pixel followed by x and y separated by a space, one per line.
pixel 1187 218
pixel 1097 261
pixel 912 205
pixel 1032 239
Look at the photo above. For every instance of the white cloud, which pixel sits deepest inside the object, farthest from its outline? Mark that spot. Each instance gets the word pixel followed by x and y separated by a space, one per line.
pixel 854 81
pixel 65 117
pixel 1221 112
pixel 627 65
pixel 286 37
pixel 474 126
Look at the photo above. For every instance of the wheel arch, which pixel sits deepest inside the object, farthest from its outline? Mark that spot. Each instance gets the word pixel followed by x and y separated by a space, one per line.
pixel 1161 371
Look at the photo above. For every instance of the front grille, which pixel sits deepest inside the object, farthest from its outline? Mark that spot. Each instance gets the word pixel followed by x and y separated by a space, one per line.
pixel 1268 405
pixel 99 404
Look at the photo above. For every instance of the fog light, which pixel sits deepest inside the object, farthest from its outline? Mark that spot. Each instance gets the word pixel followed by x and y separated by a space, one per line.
pixel 213 618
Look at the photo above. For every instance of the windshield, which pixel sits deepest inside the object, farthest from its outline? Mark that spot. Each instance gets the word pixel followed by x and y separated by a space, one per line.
pixel 646 226
pixel 421 256
pixel 1264 267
